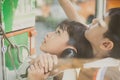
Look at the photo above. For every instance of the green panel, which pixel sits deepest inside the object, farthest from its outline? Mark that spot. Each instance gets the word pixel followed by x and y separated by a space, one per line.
pixel 9 7
pixel 12 22
pixel 21 39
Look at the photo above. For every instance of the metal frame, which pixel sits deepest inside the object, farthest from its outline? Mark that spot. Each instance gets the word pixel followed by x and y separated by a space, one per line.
pixel 1 67
pixel 1 61
pixel 2 56
pixel 100 8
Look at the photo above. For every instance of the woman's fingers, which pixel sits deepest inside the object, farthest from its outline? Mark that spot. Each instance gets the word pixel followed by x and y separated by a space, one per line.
pixel 50 62
pixel 40 60
pixel 55 59
pixel 46 61
pixel 32 67
pixel 35 73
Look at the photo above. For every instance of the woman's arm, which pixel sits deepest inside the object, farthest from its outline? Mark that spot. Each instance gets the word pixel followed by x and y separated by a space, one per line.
pixel 70 11
pixel 70 63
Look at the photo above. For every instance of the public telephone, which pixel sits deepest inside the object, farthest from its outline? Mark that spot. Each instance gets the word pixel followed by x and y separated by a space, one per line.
pixel 17 21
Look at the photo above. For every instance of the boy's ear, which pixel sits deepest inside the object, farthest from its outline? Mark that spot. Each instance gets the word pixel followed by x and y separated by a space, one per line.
pixel 107 45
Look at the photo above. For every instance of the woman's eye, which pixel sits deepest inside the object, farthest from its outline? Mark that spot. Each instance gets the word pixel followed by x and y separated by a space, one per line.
pixel 57 32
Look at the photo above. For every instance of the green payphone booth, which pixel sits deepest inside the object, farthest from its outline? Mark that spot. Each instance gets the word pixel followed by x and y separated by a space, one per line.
pixel 17 21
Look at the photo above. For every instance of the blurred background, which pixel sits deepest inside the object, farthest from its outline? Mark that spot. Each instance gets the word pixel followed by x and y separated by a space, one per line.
pixel 24 23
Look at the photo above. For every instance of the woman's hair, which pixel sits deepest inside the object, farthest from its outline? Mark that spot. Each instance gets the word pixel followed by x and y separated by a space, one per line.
pixel 77 39
pixel 113 32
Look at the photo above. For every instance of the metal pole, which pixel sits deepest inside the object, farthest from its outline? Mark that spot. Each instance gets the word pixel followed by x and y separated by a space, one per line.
pixel 2 55
pixel 1 67
pixel 100 8
pixel 2 59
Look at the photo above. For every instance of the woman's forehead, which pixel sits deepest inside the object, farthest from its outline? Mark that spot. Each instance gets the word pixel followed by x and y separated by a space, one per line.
pixel 60 29
pixel 64 28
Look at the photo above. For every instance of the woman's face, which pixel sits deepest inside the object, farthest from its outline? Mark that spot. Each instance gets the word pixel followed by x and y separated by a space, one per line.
pixel 95 33
pixel 55 42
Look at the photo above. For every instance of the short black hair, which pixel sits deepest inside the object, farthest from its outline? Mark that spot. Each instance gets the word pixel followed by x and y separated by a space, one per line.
pixel 77 39
pixel 113 32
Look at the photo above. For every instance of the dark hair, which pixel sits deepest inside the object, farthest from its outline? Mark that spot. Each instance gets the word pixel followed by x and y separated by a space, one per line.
pixel 77 39
pixel 113 32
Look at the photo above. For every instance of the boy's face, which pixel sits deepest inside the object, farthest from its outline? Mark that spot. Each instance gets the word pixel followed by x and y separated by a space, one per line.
pixel 55 42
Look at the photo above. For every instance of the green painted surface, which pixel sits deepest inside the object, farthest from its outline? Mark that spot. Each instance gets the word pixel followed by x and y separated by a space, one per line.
pixel 8 9
pixel 8 17
pixel 18 40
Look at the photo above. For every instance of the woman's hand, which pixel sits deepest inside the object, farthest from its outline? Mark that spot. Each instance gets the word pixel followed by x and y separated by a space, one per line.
pixel 46 61
pixel 35 73
pixel 41 66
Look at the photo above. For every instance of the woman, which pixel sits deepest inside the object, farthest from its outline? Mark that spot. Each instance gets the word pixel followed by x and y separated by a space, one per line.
pixel 64 41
